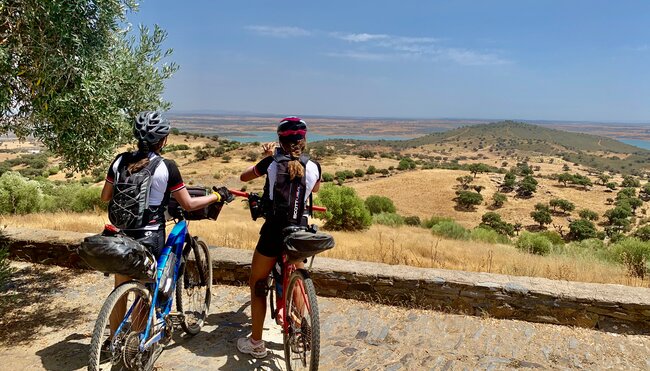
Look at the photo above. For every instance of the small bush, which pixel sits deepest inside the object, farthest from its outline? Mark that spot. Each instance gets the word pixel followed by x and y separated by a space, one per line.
pixel 487 235
pixel 434 220
pixel 553 236
pixel 412 220
pixel 534 243
pixel 643 233
pixel 450 229
pixel 345 210
pixel 18 195
pixel 379 204
pixel 328 177
pixel 359 173
pixel 389 219
pixel 634 254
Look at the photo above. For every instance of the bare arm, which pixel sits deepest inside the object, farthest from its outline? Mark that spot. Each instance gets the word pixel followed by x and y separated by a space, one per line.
pixel 192 203
pixel 248 174
pixel 107 192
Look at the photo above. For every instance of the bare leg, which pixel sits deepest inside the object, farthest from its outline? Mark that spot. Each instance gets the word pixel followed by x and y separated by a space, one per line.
pixel 119 310
pixel 260 269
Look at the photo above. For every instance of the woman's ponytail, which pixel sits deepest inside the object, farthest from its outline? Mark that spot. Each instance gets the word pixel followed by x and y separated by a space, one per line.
pixel 295 167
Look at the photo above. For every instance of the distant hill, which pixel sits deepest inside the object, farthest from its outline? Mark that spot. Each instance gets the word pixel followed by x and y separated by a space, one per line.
pixel 522 136
pixel 599 152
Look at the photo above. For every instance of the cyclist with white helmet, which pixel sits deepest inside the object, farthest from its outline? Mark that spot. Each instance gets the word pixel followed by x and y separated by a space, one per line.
pixel 147 224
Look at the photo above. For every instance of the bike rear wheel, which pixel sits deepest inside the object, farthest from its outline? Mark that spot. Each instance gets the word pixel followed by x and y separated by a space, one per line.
pixel 120 351
pixel 194 287
pixel 302 338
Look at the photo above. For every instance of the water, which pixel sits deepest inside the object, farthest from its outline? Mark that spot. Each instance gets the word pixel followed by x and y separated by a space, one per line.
pixel 266 136
pixel 645 144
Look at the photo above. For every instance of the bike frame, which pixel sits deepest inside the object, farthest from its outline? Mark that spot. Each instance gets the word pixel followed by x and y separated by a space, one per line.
pixel 280 314
pixel 157 313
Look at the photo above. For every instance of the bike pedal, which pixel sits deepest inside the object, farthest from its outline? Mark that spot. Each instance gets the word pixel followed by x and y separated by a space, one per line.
pixel 176 318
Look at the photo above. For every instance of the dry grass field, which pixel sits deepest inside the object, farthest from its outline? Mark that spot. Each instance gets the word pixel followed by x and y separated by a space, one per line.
pixel 403 245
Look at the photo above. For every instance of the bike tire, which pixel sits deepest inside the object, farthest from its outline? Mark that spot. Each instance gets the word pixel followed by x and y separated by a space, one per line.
pixel 97 341
pixel 193 292
pixel 307 357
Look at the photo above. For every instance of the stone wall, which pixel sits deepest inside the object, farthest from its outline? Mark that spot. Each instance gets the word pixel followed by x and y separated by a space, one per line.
pixel 615 308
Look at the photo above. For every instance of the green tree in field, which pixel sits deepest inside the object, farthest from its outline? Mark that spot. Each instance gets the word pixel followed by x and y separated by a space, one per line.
pixel 611 185
pixel 526 187
pixel 509 181
pixel 588 214
pixel 565 178
pixel 406 163
pixel 366 154
pixel 619 217
pixel 541 215
pixel 498 199
pixel 345 210
pixel 475 169
pixel 379 204
pixel 582 229
pixel 630 181
pixel 467 199
pixel 465 180
pixel 562 204
pixel 72 77
pixel 603 178
pixel 581 180
pixel 643 233
pixel 644 193
pixel 493 221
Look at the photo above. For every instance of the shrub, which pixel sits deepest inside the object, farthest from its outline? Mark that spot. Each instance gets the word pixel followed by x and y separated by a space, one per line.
pixel 634 254
pixel 553 236
pixel 498 199
pixel 345 210
pixel 590 244
pixel 371 170
pixel 328 177
pixel 534 243
pixel 582 229
pixel 379 204
pixel 450 229
pixel 406 163
pixel 389 219
pixel 467 200
pixel 487 235
pixel 588 214
pixel 359 173
pixel 643 233
pixel 18 195
pixel 435 219
pixel 412 220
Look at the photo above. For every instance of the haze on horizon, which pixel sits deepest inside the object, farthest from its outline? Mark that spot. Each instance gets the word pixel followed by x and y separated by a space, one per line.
pixel 583 60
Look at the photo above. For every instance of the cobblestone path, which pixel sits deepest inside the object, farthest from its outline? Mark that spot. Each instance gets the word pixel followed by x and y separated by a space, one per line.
pixel 48 322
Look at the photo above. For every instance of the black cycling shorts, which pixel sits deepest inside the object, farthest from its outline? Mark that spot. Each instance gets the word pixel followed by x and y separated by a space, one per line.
pixel 154 240
pixel 271 240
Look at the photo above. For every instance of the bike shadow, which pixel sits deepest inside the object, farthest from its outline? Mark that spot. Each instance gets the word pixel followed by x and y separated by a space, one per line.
pixel 218 339
pixel 68 354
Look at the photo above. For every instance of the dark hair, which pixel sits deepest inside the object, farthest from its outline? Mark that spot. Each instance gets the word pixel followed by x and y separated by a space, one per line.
pixel 141 159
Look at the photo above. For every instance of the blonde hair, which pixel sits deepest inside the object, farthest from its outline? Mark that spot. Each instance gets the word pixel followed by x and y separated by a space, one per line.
pixel 295 150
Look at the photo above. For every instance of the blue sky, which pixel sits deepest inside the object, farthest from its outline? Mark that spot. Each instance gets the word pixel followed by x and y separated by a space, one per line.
pixel 553 60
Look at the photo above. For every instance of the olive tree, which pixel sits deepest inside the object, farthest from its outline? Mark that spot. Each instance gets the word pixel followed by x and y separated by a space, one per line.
pixel 73 74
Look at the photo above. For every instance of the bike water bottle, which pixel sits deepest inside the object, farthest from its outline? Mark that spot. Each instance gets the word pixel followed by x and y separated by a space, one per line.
pixel 166 285
pixel 277 276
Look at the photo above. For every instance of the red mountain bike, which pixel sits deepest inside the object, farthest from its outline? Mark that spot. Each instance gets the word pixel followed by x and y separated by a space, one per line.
pixel 295 307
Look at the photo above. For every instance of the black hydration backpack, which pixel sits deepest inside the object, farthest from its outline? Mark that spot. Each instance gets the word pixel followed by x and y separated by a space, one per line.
pixel 288 204
pixel 129 207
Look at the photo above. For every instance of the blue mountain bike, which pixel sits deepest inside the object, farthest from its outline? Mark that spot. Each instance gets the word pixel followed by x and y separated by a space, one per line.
pixel 138 338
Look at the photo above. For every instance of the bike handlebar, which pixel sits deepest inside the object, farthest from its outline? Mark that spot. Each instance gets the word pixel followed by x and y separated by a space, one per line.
pixel 245 194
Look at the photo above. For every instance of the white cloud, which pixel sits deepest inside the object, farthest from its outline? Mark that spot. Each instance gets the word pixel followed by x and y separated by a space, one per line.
pixel 473 58
pixel 359 55
pixel 283 32
pixel 361 37
pixel 642 48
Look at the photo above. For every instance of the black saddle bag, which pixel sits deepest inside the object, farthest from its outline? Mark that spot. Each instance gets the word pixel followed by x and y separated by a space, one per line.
pixel 301 243
pixel 118 254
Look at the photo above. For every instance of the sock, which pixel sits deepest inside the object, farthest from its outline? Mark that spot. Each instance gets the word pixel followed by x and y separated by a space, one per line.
pixel 256 342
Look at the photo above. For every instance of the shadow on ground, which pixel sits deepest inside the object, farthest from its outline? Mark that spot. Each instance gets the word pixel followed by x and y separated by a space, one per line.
pixel 68 354
pixel 26 306
pixel 221 342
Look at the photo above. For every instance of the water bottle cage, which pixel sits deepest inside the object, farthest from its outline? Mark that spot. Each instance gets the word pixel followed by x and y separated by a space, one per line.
pixel 256 206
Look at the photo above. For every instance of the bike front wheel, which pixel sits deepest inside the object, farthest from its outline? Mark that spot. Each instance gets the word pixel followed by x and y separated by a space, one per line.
pixel 128 308
pixel 194 287
pixel 302 337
